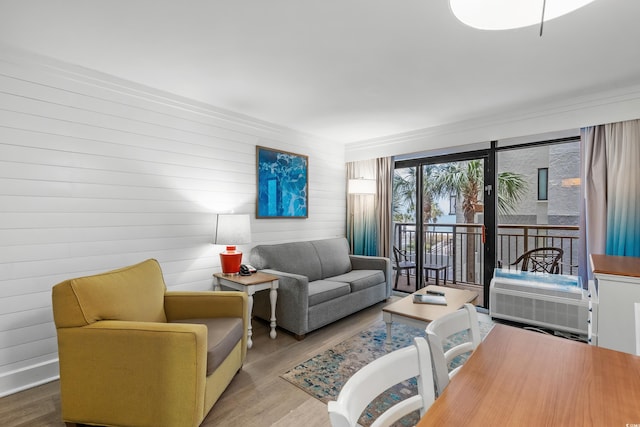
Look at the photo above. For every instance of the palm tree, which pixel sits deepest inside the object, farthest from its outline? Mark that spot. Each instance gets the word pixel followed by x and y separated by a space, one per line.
pixel 511 188
pixel 466 180
pixel 404 195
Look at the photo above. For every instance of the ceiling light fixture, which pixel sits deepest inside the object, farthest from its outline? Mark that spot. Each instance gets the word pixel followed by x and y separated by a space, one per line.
pixel 509 14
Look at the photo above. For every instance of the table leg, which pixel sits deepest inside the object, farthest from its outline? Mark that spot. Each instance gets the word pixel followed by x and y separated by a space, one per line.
pixel 273 296
pixel 388 319
pixel 250 329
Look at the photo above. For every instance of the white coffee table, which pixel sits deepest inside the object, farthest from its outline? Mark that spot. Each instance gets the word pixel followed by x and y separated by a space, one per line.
pixel 419 315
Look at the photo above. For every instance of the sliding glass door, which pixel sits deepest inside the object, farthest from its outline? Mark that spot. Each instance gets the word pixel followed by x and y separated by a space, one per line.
pixel 446 211
pixel 547 214
pixel 443 210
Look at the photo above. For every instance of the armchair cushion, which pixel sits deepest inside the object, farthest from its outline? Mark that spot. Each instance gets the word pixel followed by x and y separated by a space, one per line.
pixel 223 334
pixel 134 293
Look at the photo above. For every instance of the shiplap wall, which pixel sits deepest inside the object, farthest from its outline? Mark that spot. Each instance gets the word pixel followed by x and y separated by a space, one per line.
pixel 97 173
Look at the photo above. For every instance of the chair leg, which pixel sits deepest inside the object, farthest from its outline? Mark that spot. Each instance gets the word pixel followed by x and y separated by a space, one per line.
pixel 409 280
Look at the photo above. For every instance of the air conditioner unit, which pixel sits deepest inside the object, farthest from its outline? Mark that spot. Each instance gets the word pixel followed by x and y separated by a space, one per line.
pixel 552 301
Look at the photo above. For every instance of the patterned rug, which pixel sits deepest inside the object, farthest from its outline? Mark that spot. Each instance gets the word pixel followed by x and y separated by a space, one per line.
pixel 323 375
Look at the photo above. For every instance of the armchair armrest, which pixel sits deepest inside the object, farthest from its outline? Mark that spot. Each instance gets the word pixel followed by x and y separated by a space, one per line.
pixel 209 304
pixel 206 304
pixel 125 365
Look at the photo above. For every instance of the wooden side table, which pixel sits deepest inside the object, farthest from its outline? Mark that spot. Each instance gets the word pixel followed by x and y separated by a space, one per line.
pixel 436 268
pixel 252 284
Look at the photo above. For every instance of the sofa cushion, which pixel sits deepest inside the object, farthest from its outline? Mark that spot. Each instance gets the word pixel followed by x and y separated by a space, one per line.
pixel 223 333
pixel 333 255
pixel 324 290
pixel 360 279
pixel 295 257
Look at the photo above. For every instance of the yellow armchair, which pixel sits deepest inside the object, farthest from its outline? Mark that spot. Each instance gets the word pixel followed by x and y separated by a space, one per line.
pixel 133 354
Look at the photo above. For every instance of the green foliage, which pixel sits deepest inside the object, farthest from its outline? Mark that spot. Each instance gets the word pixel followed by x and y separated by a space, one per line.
pixel 464 179
pixel 512 187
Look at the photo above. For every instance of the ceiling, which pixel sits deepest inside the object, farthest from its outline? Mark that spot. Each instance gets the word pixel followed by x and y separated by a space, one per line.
pixel 347 70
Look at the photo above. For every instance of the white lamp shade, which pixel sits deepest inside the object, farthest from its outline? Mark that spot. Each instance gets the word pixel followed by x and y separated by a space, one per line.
pixel 232 229
pixel 361 186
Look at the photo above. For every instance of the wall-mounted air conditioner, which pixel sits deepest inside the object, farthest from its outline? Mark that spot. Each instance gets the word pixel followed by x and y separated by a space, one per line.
pixel 552 301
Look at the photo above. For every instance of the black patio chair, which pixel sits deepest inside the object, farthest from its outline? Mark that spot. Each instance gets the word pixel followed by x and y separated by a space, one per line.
pixel 402 263
pixel 546 260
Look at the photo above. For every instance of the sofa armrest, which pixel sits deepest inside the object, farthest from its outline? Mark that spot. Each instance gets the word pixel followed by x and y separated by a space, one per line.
pixel 110 370
pixel 363 262
pixel 293 301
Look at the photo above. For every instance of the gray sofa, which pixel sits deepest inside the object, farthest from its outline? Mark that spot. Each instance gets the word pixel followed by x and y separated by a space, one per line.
pixel 319 282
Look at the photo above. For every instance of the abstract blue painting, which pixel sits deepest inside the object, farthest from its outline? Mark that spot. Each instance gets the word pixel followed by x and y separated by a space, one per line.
pixel 282 184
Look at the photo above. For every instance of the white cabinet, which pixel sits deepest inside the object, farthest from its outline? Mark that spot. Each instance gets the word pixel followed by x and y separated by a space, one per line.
pixel 592 317
pixel 618 281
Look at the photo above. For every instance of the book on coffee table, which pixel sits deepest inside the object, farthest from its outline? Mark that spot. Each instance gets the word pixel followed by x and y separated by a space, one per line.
pixel 429 299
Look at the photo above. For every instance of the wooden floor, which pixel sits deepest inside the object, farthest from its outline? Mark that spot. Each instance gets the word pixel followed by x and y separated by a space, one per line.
pixel 257 396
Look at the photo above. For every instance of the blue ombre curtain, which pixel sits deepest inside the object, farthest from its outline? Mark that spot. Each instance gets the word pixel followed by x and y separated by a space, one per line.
pixel 611 183
pixel 361 212
pixel 623 188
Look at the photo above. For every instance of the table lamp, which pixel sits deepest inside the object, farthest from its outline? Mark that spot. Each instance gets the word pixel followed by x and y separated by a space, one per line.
pixel 232 230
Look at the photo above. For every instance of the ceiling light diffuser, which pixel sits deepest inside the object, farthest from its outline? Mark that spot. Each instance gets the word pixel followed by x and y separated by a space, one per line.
pixel 509 14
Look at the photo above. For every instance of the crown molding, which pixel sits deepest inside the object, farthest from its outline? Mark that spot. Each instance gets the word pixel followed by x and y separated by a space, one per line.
pixel 163 99
pixel 554 115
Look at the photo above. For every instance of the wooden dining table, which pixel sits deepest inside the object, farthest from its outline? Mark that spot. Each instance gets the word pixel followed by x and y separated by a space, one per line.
pixel 522 378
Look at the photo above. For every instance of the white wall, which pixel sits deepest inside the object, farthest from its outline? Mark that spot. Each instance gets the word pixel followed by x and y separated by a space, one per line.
pixel 97 173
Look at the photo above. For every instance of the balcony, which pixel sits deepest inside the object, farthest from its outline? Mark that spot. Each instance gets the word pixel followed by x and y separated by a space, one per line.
pixel 459 248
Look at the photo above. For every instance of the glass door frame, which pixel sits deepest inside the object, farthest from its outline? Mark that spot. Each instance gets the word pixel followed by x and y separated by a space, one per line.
pixel 489 215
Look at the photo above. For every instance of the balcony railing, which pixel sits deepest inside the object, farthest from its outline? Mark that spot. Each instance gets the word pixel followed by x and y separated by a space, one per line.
pixel 459 246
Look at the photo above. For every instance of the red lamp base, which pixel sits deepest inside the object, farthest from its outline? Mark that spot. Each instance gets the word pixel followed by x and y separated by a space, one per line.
pixel 230 260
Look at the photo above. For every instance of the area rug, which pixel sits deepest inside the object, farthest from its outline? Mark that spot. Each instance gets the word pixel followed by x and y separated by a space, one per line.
pixel 323 375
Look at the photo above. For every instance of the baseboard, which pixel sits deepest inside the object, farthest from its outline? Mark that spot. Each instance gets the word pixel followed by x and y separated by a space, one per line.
pixel 28 377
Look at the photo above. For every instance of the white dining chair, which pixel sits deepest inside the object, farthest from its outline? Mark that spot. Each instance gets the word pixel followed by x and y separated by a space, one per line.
pixel 381 374
pixel 637 312
pixel 444 327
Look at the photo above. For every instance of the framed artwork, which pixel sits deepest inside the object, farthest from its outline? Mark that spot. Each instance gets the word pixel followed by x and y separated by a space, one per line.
pixel 283 184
